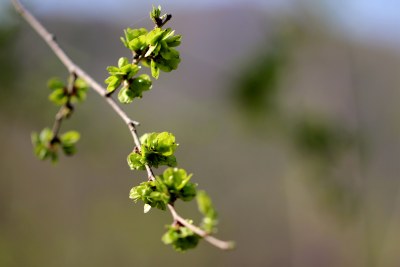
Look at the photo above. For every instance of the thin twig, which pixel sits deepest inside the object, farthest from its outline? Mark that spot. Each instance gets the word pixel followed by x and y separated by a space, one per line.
pixel 65 110
pixel 225 245
pixel 75 69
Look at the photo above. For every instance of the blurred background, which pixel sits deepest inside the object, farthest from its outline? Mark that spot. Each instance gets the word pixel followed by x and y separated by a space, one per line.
pixel 286 112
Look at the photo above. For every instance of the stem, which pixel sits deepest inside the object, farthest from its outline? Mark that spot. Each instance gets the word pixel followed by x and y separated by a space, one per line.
pixel 224 245
pixel 159 22
pixel 57 122
pixel 65 110
pixel 77 71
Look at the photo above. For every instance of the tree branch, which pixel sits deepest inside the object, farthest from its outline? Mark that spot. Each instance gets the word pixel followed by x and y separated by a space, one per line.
pixel 76 70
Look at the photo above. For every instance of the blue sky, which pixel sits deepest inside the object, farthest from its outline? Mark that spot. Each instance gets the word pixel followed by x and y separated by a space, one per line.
pixel 372 20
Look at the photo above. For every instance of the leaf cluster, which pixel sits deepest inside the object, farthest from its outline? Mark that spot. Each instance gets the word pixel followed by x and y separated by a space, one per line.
pixel 181 238
pixel 60 94
pixel 156 149
pixel 161 54
pixel 46 145
pixel 154 49
pixel 173 184
pixel 124 74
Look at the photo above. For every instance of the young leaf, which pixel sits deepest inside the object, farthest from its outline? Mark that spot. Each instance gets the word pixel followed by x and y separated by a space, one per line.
pixel 113 83
pixel 126 95
pixel 206 208
pixel 155 13
pixel 155 70
pixel 181 238
pixel 135 161
pixel 43 146
pixel 68 150
pixel 122 62
pixel 55 83
pixel 70 138
pixel 59 97
pixel 140 84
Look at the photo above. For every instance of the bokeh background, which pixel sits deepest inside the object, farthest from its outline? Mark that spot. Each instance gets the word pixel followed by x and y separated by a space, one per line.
pixel 286 112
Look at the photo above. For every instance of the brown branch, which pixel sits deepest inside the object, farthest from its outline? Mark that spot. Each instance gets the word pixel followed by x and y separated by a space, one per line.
pixel 76 70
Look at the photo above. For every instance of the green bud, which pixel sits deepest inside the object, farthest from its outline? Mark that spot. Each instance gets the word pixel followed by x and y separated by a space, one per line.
pixel 43 148
pixel 59 96
pixel 70 137
pixel 79 92
pixel 55 83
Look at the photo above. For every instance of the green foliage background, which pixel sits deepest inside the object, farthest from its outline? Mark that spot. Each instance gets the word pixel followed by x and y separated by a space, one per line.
pixel 292 130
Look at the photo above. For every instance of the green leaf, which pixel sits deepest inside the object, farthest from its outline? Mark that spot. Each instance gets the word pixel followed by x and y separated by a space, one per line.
pixel 42 146
pixel 207 209
pixel 68 141
pixel 35 138
pixel 204 203
pixel 135 39
pixel 138 43
pixel 155 70
pixel 130 70
pixel 171 161
pixel 155 12
pixel 55 83
pixel 80 95
pixel 68 150
pixel 70 138
pixel 46 135
pixel 135 33
pixel 80 89
pixel 140 84
pixel 162 143
pixel 135 161
pixel 181 238
pixel 158 148
pixel 143 82
pixel 188 192
pixel 149 193
pixel 114 70
pixel 113 83
pixel 174 41
pixel 126 95
pixel 169 53
pixel 81 85
pixel 177 182
pixel 155 36
pixel 168 65
pixel 59 97
pixel 122 62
